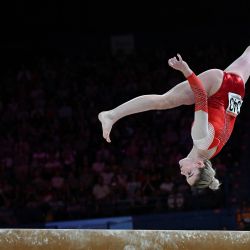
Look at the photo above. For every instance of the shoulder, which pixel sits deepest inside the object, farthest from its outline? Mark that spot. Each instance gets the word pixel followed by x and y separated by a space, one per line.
pixel 205 142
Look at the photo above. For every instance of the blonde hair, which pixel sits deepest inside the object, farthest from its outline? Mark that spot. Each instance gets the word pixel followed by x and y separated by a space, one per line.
pixel 206 177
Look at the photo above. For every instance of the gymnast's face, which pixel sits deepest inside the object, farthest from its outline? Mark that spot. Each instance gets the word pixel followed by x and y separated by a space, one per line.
pixel 191 169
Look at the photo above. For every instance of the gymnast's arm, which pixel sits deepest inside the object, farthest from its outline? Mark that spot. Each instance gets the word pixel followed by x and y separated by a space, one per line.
pixel 200 125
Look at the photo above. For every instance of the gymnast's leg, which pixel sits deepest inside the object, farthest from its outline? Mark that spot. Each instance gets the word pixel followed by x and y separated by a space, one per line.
pixel 179 95
pixel 241 66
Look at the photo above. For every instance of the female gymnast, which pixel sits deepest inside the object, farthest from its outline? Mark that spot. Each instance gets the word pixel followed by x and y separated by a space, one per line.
pixel 217 96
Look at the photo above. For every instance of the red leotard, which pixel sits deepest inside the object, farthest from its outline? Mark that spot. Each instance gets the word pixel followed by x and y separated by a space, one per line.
pixel 218 116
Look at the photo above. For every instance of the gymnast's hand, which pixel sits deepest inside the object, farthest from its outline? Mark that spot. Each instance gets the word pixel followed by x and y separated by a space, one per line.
pixel 180 65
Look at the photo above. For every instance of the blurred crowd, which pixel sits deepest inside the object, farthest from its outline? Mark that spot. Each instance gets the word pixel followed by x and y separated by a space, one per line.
pixel 54 163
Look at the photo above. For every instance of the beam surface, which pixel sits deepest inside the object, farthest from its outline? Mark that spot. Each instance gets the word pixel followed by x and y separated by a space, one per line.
pixel 67 239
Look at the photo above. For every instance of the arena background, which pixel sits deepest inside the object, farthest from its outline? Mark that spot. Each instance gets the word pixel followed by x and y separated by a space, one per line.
pixel 63 63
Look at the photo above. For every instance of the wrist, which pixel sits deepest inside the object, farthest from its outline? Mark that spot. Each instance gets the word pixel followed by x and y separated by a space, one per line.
pixel 187 72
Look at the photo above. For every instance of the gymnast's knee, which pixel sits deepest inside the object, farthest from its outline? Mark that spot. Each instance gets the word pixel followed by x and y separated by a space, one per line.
pixel 165 101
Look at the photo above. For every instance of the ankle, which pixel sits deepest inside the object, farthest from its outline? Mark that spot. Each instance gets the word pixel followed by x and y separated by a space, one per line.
pixel 111 115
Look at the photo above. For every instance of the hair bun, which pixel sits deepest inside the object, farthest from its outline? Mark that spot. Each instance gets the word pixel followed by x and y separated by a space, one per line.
pixel 215 184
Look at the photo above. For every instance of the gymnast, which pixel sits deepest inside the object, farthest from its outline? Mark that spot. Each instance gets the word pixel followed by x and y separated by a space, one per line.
pixel 217 96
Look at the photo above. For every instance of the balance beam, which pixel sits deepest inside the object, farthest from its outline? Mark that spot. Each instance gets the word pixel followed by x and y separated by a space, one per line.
pixel 67 239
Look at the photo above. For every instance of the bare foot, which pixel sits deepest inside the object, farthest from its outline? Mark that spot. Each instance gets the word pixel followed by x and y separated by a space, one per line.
pixel 107 124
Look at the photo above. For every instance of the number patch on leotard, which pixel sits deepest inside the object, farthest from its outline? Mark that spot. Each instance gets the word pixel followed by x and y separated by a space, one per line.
pixel 234 104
